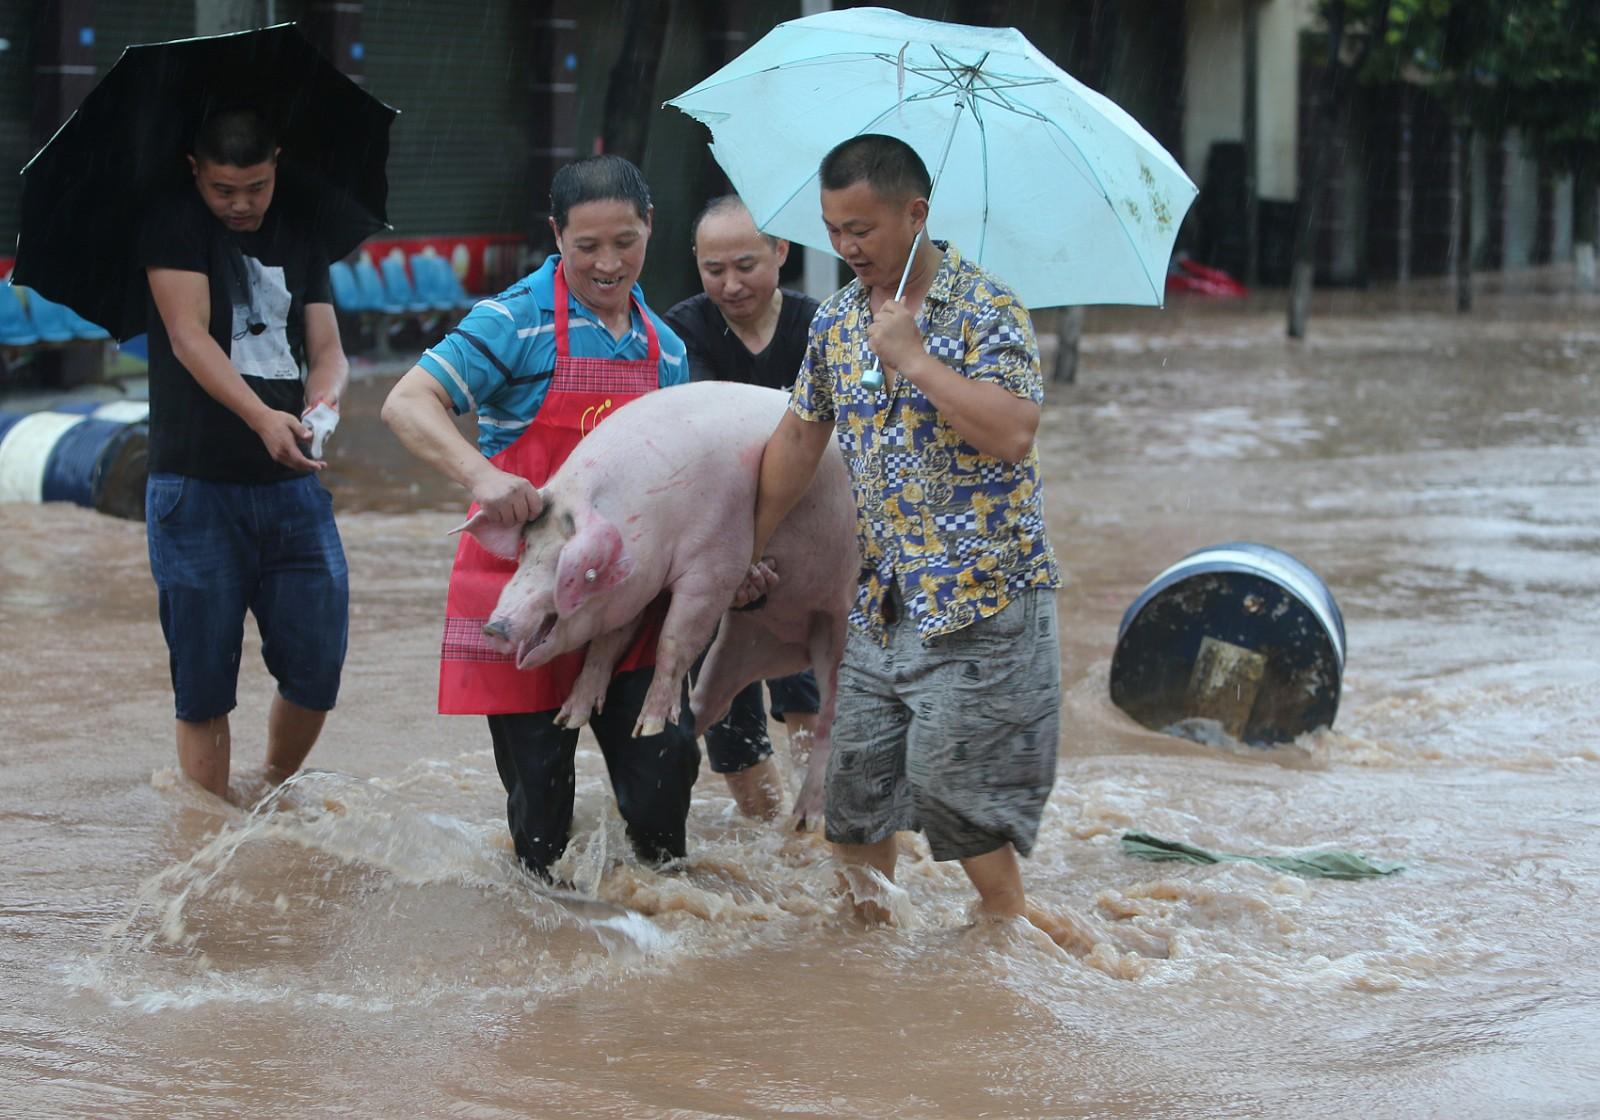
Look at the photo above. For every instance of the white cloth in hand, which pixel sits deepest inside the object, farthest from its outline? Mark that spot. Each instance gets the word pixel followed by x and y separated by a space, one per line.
pixel 322 419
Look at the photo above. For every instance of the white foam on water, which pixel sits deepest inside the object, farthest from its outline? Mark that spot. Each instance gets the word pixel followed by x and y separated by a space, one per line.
pixel 376 875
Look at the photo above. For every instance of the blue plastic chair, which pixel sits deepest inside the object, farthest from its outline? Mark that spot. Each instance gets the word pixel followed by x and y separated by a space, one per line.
pixel 437 283
pixel 427 278
pixel 398 284
pixel 458 290
pixel 53 321
pixel 346 292
pixel 373 295
pixel 451 286
pixel 16 329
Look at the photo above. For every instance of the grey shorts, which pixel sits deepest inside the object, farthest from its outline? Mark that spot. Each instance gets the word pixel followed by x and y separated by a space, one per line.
pixel 956 738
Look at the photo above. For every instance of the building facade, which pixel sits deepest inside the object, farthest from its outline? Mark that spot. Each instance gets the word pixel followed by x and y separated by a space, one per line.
pixel 496 94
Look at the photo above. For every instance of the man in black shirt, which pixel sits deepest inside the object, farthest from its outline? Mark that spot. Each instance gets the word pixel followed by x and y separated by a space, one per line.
pixel 745 328
pixel 235 516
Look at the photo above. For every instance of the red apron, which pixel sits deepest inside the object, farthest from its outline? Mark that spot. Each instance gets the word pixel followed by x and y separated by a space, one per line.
pixel 473 678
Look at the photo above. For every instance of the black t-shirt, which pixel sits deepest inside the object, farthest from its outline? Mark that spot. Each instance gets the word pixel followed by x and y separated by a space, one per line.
pixel 276 271
pixel 716 354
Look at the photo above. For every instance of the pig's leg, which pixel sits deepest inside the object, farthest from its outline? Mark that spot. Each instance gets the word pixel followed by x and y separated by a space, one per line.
pixel 744 651
pixel 691 617
pixel 588 693
pixel 827 650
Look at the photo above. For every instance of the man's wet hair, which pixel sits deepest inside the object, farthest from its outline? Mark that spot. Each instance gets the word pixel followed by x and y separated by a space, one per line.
pixel 890 166
pixel 598 179
pixel 237 136
pixel 723 204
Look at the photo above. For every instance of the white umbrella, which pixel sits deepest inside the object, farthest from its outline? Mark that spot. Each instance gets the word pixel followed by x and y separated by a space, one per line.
pixel 1043 181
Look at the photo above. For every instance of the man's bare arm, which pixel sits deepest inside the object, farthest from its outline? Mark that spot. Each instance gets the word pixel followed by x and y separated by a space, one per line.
pixel 183 300
pixel 329 368
pixel 418 412
pixel 787 464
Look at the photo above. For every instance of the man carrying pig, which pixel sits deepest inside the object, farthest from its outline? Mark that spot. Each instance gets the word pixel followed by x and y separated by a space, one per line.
pixel 541 365
pixel 949 690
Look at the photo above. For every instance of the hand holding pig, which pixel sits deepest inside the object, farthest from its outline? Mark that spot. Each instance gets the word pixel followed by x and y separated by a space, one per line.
pixel 758 581
pixel 504 498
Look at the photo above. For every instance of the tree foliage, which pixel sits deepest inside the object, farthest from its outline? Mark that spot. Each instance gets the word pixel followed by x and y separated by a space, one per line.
pixel 1532 65
pixel 1547 78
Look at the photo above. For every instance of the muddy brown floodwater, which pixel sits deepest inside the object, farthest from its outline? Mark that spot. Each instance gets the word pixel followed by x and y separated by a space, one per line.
pixel 369 949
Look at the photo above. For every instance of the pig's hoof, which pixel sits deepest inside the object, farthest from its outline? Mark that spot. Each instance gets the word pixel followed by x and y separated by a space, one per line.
pixel 648 726
pixel 571 720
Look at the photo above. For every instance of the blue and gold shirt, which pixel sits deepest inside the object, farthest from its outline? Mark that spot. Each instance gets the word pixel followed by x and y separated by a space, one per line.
pixel 960 530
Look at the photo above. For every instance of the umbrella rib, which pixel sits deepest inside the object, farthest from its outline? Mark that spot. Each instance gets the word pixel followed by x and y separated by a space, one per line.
pixel 987 79
pixel 1121 225
pixel 804 182
pixel 976 73
pixel 983 143
pixel 1012 104
pixel 1013 107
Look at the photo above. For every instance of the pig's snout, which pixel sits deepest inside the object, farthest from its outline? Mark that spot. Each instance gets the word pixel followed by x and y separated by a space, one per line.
pixel 498 634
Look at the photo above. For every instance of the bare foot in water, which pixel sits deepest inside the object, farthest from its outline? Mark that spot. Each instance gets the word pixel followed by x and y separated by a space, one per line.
pixel 248 787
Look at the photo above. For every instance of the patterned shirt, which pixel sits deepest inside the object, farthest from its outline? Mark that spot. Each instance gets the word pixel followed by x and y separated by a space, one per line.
pixel 498 361
pixel 959 530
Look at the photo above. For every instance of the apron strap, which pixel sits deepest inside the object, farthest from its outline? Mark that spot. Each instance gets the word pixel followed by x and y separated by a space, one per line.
pixel 563 350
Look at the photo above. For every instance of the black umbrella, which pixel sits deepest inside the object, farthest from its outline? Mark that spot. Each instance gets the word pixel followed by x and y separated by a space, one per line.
pixel 85 193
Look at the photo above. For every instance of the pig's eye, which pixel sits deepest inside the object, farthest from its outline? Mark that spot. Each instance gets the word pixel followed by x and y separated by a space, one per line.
pixel 568 525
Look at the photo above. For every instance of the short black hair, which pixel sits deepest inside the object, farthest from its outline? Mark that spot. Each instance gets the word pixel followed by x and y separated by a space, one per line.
pixel 598 179
pixel 890 166
pixel 237 136
pixel 724 204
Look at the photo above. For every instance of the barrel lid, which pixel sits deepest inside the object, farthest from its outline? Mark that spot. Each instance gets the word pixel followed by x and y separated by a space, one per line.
pixel 1269 563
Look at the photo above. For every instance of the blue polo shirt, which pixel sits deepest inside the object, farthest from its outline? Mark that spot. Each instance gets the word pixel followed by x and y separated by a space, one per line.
pixel 499 360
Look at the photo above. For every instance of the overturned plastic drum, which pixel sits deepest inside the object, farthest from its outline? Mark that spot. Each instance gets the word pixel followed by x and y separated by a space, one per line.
pixel 1240 638
pixel 95 459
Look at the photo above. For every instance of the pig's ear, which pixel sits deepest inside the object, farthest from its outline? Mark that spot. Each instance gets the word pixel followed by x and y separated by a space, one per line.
pixel 497 537
pixel 593 560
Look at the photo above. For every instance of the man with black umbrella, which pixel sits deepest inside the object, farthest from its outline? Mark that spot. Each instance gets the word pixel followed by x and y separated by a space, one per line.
pixel 239 305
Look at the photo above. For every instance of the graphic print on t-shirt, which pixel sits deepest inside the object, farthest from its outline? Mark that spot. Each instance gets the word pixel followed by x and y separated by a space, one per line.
pixel 267 354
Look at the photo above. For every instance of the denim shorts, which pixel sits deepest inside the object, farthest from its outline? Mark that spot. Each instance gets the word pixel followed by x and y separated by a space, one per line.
pixel 956 737
pixel 218 549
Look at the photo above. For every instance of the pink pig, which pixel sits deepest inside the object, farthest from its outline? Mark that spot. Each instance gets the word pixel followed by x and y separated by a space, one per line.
pixel 661 496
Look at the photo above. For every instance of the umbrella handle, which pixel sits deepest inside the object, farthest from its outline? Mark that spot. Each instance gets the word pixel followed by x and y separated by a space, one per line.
pixel 872 376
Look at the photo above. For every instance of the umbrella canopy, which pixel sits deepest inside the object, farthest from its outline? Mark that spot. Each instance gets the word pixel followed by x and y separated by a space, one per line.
pixel 85 193
pixel 1045 182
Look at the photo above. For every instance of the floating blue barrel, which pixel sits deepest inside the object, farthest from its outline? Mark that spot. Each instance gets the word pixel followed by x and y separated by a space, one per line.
pixel 97 460
pixel 1241 636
